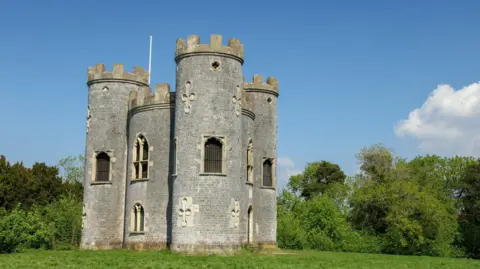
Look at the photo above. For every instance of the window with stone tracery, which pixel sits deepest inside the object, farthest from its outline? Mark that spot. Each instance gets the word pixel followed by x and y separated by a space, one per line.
pixel 140 158
pixel 250 162
pixel 137 218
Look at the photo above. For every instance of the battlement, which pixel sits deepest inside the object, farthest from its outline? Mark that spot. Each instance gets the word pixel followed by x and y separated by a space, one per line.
pixel 192 45
pixel 97 73
pixel 271 84
pixel 161 95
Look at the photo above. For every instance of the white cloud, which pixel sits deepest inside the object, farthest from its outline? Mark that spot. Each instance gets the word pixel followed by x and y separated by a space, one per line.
pixel 286 169
pixel 447 123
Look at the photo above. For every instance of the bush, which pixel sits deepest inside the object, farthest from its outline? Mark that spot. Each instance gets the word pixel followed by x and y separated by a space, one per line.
pixel 21 230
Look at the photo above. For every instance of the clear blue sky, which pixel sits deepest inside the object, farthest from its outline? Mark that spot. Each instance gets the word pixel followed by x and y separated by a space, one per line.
pixel 348 70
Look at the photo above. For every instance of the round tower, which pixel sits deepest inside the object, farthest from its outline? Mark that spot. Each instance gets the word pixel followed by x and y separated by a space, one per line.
pixel 207 187
pixel 150 144
pixel 262 100
pixel 105 154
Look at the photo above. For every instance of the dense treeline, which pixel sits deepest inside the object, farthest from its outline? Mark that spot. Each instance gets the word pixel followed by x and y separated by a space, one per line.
pixel 426 206
pixel 38 207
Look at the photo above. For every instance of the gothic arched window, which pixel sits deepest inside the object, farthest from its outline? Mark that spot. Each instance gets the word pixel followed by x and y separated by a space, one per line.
pixel 102 172
pixel 268 173
pixel 140 158
pixel 213 156
pixel 137 218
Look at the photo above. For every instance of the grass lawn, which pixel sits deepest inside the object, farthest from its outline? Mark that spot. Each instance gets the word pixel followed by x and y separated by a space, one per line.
pixel 277 260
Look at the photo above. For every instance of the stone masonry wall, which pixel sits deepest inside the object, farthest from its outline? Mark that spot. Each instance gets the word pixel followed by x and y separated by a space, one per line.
pixel 104 201
pixel 154 123
pixel 210 227
pixel 247 134
pixel 264 105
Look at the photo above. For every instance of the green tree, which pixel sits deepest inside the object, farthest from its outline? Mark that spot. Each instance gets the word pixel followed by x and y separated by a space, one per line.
pixel 389 202
pixel 316 178
pixel 470 215
pixel 441 175
pixel 64 218
pixel 20 229
pixel 72 170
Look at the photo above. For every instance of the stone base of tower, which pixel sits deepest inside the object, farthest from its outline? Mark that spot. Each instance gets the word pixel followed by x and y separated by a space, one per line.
pixel 147 245
pixel 197 249
pixel 102 245
pixel 262 246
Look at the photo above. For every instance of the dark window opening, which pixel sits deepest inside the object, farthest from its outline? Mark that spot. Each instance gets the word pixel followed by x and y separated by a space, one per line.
pixel 213 156
pixel 267 173
pixel 103 167
pixel 215 65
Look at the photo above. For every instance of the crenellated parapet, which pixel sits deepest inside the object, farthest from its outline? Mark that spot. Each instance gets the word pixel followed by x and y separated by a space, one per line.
pixel 192 45
pixel 98 74
pixel 257 85
pixel 160 98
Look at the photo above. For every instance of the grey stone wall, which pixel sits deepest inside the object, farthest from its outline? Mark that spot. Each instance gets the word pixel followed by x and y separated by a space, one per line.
pixel 154 123
pixel 210 227
pixel 104 202
pixel 247 134
pixel 264 105
pixel 193 211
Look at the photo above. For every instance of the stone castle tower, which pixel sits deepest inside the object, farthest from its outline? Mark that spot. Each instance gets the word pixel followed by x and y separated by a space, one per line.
pixel 192 170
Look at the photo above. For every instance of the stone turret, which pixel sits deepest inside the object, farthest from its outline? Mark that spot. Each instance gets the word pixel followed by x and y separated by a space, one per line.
pixel 145 97
pixel 98 74
pixel 184 48
pixel 150 129
pixel 208 115
pixel 105 154
pixel 261 98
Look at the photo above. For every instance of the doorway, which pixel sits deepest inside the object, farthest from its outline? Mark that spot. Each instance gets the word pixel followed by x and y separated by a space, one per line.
pixel 250 225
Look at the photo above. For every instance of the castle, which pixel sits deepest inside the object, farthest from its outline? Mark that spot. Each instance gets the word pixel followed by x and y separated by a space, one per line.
pixel 193 170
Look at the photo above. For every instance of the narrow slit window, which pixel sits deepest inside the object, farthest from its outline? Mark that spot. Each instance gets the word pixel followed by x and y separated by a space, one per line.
pixel 267 173
pixel 174 168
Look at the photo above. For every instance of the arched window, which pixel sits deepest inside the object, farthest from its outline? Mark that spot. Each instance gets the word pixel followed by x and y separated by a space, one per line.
pixel 140 158
pixel 102 167
pixel 268 173
pixel 250 162
pixel 137 223
pixel 213 156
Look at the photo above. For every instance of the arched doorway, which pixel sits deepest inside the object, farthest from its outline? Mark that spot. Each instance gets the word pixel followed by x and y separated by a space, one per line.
pixel 250 225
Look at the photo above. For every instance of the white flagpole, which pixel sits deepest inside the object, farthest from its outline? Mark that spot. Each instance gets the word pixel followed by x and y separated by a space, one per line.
pixel 150 61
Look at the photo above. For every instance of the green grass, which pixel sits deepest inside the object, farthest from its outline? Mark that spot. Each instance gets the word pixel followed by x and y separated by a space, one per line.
pixel 164 259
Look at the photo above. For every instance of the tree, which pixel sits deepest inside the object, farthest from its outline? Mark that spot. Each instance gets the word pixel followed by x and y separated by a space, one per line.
pixel 469 219
pixel 389 202
pixel 72 168
pixel 441 175
pixel 316 178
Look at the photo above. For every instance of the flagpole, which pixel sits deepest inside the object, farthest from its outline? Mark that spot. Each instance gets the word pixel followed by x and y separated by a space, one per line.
pixel 150 61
